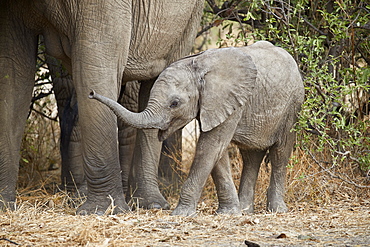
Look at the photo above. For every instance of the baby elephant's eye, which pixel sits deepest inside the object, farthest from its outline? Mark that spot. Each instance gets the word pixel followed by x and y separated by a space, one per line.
pixel 174 103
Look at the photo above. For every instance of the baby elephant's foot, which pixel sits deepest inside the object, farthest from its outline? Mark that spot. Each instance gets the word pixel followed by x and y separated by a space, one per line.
pixel 231 210
pixel 183 210
pixel 277 206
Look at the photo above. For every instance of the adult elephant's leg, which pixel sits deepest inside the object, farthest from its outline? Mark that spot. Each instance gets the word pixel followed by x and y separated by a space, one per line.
pixel 143 178
pixel 99 54
pixel 18 48
pixel 72 175
pixel 252 161
pixel 228 201
pixel 100 154
pixel 127 134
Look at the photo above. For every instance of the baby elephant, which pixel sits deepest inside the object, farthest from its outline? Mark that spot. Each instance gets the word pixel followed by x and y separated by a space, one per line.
pixel 249 95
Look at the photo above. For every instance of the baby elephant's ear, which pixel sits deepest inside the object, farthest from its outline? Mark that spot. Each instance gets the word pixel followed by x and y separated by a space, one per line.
pixel 228 79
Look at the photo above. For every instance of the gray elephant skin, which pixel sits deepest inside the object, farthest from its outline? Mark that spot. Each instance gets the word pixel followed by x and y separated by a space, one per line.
pixel 102 44
pixel 72 173
pixel 250 96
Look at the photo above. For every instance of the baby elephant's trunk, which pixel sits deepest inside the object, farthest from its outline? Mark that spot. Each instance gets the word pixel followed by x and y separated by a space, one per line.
pixel 142 120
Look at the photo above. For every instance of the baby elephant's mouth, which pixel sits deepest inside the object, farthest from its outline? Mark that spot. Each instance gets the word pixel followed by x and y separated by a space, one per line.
pixel 164 131
pixel 167 130
pixel 163 134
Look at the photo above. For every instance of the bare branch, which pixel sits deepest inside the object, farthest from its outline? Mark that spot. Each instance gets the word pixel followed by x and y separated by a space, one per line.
pixel 44 115
pixel 333 175
pixel 314 28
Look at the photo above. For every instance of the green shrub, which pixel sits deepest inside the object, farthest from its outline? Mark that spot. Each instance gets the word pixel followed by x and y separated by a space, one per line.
pixel 330 42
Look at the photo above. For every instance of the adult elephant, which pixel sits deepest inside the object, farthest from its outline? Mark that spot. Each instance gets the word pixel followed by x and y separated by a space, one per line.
pixel 102 44
pixel 72 174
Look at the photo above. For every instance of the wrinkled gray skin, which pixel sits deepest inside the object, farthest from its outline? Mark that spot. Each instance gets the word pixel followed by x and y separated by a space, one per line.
pixel 250 96
pixel 72 173
pixel 103 44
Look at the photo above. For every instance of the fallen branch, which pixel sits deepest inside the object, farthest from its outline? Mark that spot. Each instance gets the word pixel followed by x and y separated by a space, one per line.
pixel 10 241
pixel 55 119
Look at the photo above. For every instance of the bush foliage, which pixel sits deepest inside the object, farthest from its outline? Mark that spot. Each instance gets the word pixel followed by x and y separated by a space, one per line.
pixel 330 42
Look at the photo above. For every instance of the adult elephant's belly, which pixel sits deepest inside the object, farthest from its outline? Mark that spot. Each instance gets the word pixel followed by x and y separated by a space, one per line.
pixel 162 32
pixel 149 55
pixel 143 68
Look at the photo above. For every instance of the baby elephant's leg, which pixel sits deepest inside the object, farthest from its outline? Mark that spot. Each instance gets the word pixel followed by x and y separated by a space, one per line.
pixel 208 153
pixel 228 201
pixel 210 149
pixel 279 156
pixel 252 161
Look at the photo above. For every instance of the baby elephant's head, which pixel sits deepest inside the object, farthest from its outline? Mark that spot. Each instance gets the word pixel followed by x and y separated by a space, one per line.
pixel 210 85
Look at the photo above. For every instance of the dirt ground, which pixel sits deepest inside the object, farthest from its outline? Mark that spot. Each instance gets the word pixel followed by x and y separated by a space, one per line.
pixel 323 211
pixel 47 222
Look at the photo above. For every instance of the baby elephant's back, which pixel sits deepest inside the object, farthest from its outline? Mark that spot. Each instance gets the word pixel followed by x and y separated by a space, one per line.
pixel 276 67
pixel 276 98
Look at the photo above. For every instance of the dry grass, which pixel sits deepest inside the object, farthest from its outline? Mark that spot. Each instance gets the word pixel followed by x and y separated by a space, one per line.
pixel 49 221
pixel 323 210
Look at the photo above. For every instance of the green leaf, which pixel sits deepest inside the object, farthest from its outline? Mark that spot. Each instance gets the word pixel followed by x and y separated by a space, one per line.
pixel 25 160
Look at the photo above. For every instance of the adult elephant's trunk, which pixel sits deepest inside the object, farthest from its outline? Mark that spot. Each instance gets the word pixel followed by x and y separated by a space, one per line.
pixel 147 119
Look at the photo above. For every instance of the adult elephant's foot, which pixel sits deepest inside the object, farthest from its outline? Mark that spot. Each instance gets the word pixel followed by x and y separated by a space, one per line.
pixel 78 191
pixel 153 201
pixel 81 190
pixel 103 205
pixel 5 205
pixel 277 206
pixel 184 210
pixel 7 200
